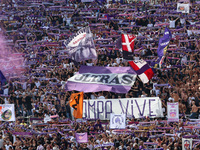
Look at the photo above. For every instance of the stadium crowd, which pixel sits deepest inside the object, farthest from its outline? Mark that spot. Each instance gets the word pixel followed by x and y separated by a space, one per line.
pixel 37 30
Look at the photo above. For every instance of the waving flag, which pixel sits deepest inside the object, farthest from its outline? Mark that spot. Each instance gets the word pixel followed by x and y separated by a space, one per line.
pixel 128 41
pixel 142 69
pixel 163 45
pixel 164 42
pixel 81 46
pixel 76 102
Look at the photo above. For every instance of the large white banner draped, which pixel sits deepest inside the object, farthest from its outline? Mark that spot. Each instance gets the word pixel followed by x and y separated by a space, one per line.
pixel 131 107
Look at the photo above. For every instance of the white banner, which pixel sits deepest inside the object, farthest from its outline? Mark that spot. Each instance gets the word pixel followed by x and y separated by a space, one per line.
pixel 184 8
pixel 131 107
pixel 7 112
pixel 186 144
pixel 117 121
pixel 172 112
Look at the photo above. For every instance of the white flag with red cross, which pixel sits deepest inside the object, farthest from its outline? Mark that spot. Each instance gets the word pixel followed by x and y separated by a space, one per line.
pixel 128 41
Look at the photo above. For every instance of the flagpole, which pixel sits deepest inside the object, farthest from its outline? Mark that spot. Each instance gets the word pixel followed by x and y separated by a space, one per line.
pixel 71 109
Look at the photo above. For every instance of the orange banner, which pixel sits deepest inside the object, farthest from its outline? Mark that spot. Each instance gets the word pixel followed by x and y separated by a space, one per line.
pixel 76 102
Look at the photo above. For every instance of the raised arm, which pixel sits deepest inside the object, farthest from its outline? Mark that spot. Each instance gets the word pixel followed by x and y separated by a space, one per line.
pixel 177 19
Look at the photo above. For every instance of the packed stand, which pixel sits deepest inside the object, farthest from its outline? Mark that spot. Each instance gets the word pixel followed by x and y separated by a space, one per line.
pixel 37 30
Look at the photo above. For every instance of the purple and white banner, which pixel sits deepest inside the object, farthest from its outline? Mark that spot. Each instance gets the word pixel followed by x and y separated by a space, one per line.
pixel 81 46
pixel 172 112
pixel 135 107
pixel 81 137
pixel 118 121
pixel 94 79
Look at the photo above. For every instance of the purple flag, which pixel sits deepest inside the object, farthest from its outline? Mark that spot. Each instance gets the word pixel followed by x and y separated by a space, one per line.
pixel 81 137
pixel 94 79
pixel 164 42
pixel 163 45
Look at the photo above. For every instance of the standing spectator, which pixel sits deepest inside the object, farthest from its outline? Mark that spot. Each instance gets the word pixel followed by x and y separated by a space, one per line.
pixel 19 104
pixel 194 111
pixel 28 104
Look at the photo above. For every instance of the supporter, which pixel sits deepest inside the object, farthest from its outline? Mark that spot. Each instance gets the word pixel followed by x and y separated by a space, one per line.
pixel 172 22
pixel 98 126
pixel 40 147
pixel 101 95
pixel 194 111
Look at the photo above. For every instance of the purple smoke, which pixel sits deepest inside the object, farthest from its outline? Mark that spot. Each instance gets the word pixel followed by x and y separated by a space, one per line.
pixel 11 63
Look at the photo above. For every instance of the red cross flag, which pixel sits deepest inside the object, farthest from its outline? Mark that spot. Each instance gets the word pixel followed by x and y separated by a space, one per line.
pixel 128 41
